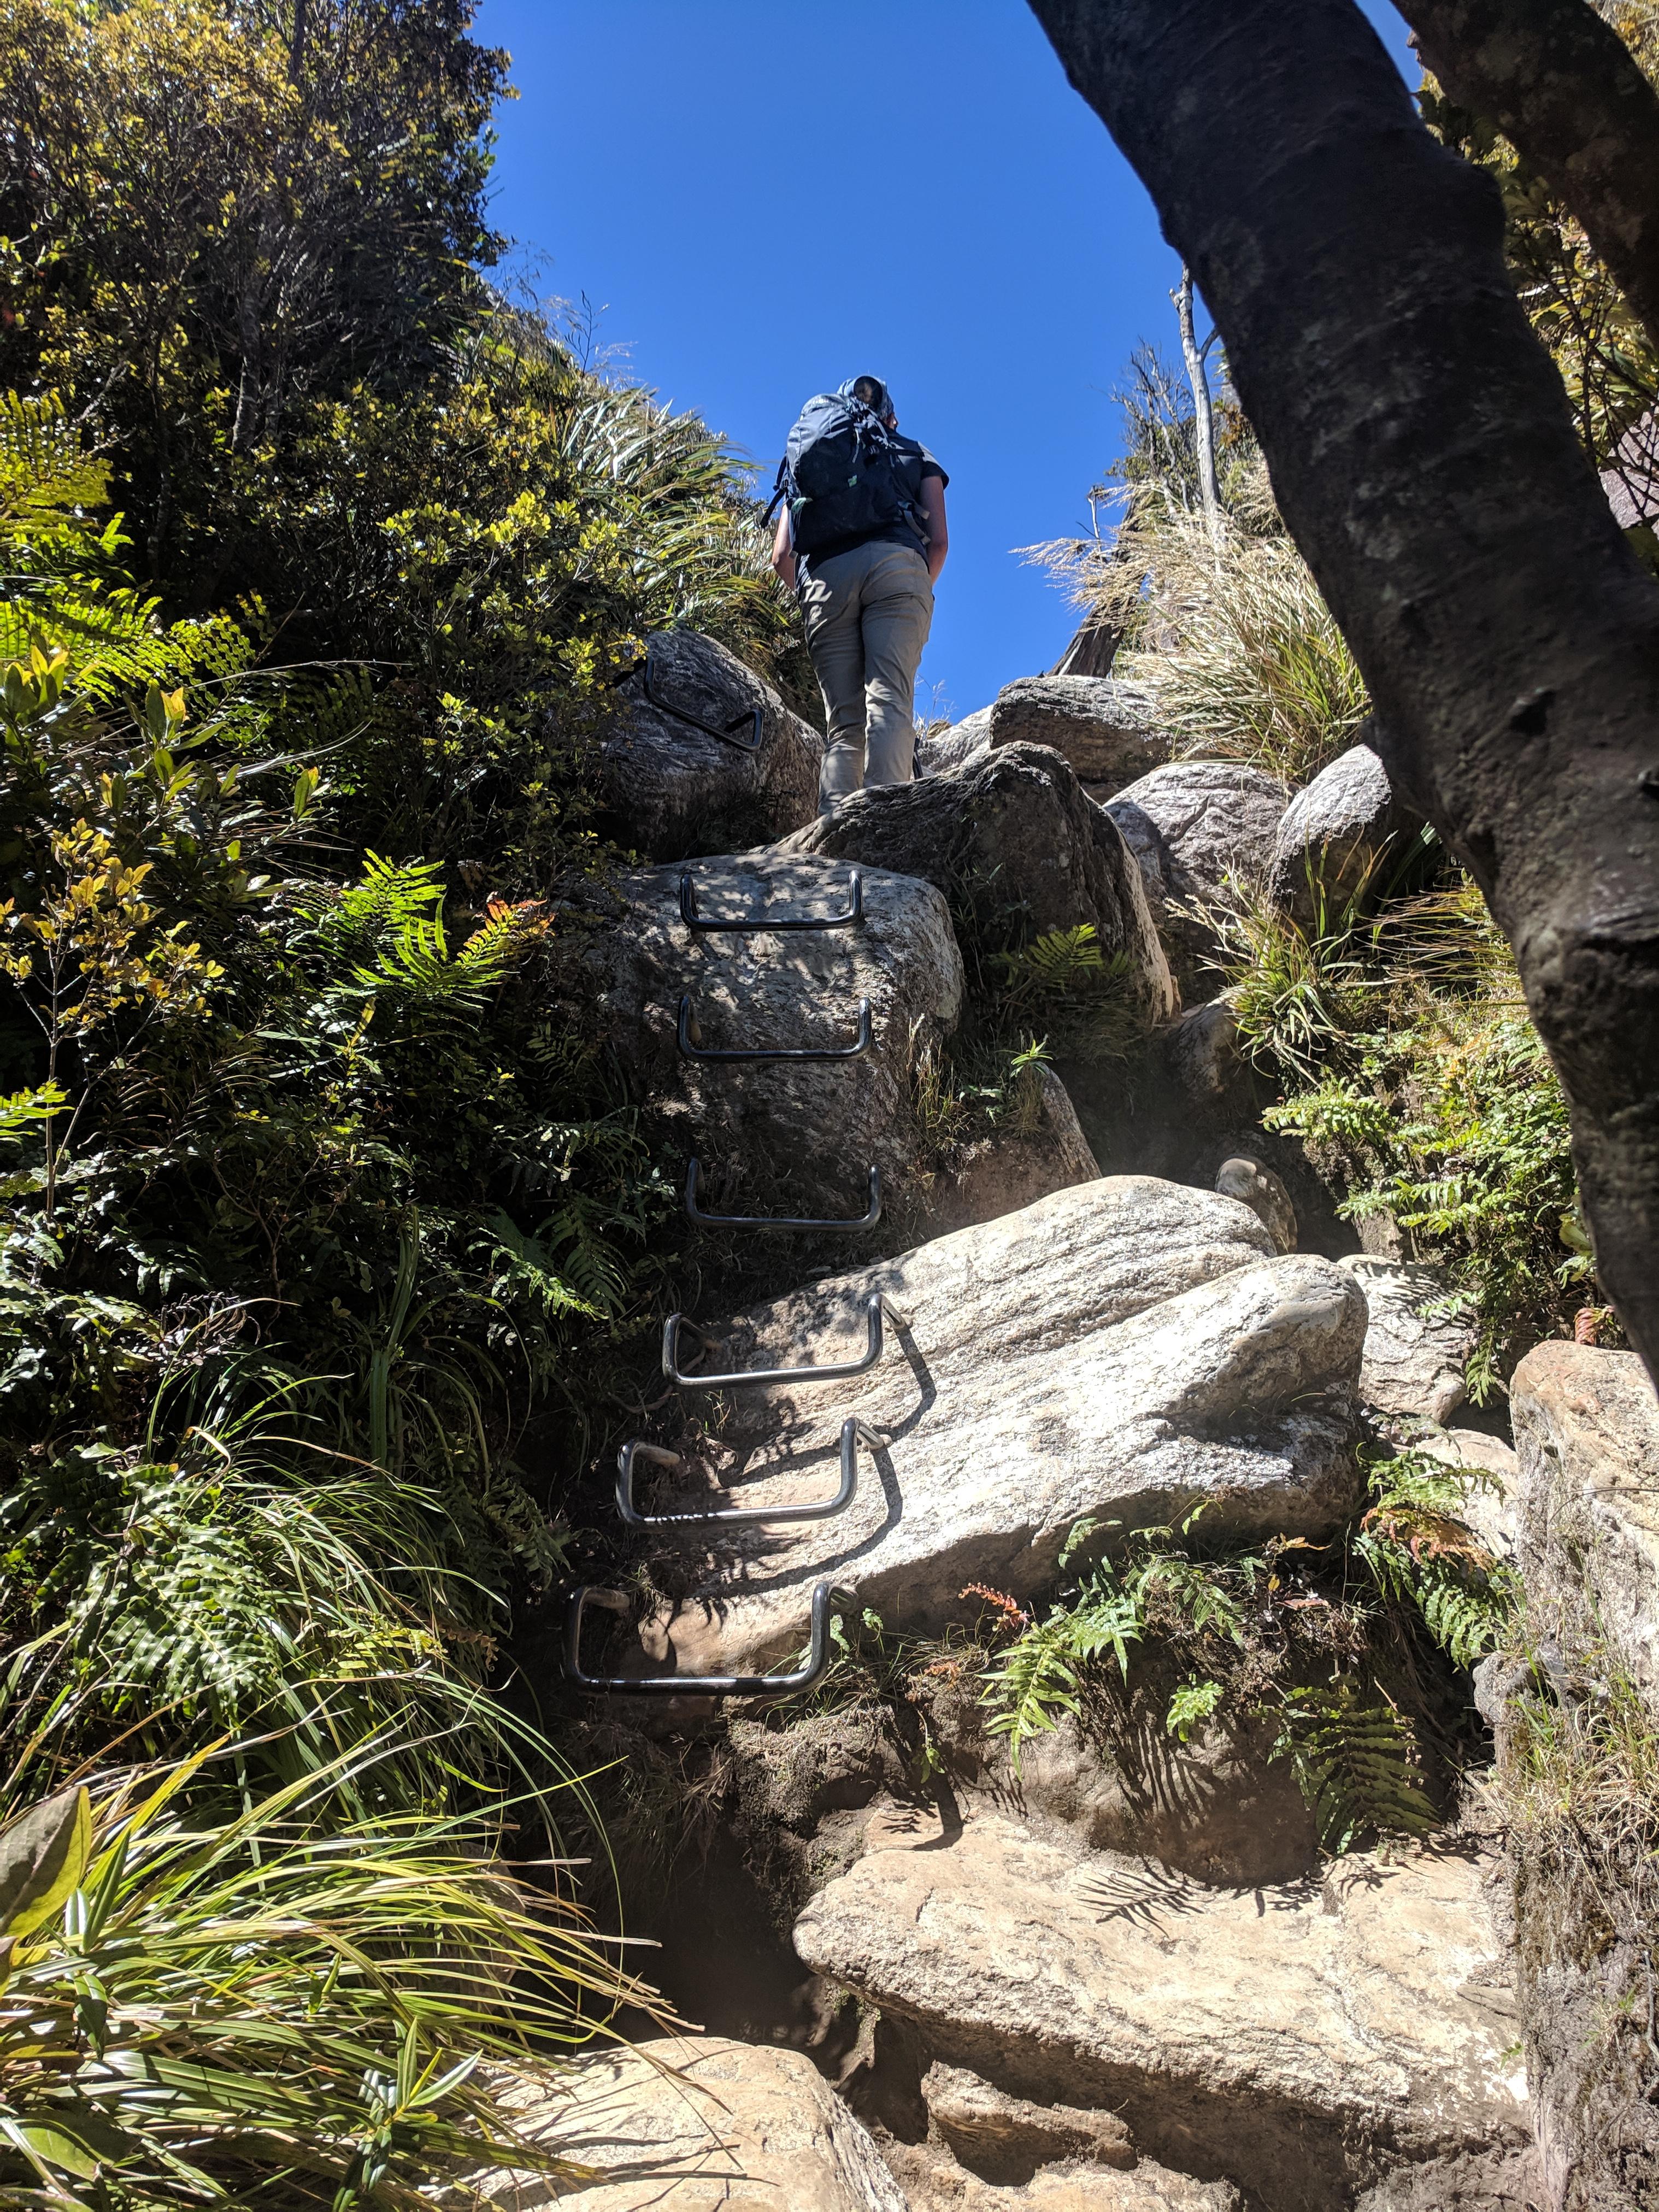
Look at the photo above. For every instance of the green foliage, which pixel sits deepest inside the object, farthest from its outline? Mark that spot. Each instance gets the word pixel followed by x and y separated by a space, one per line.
pixel 1296 993
pixel 1413 1544
pixel 1453 1121
pixel 1156 1586
pixel 266 2008
pixel 1193 1703
pixel 1353 1762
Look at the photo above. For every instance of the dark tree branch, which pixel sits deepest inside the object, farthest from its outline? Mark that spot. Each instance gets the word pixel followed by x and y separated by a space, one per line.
pixel 1563 87
pixel 1424 458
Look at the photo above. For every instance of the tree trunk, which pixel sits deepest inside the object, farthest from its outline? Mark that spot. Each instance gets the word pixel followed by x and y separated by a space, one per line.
pixel 1198 379
pixel 1424 458
pixel 1563 87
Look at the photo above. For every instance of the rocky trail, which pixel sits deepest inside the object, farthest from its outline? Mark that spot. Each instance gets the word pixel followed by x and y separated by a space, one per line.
pixel 933 1976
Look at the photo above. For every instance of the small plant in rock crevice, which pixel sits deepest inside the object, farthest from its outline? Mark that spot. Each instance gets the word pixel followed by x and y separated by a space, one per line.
pixel 1332 1645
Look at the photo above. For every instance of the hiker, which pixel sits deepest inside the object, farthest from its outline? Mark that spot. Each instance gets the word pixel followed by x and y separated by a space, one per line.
pixel 860 541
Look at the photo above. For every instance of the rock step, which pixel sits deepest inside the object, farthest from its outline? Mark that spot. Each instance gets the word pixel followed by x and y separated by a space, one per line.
pixel 732 2125
pixel 1123 1350
pixel 1301 2040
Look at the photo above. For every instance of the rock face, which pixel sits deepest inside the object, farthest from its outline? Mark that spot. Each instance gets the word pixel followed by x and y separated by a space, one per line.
pixel 1106 728
pixel 670 788
pixel 1414 1362
pixel 1333 836
pixel 1256 1185
pixel 1015 844
pixel 953 748
pixel 1117 1351
pixel 1204 1062
pixel 1004 2138
pixel 1216 1808
pixel 1015 1167
pixel 1192 823
pixel 1300 2040
pixel 804 1132
pixel 1587 1437
pixel 735 2125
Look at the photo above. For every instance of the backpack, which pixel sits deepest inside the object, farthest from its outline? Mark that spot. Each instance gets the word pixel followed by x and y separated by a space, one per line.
pixel 840 475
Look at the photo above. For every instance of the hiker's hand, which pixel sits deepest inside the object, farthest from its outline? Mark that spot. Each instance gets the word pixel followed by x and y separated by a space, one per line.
pixel 938 531
pixel 783 554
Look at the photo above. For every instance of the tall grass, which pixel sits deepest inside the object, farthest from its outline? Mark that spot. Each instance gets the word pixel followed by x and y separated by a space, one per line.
pixel 1253 666
pixel 271 2008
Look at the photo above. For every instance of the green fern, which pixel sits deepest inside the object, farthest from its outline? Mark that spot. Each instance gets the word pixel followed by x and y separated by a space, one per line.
pixel 1192 1703
pixel 1354 1765
pixel 1036 1683
pixel 1418 1550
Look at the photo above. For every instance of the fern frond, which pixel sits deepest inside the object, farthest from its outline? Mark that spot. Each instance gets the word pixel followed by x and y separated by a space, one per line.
pixel 1354 1763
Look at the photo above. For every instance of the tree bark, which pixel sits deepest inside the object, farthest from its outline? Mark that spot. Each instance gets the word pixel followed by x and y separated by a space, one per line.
pixel 1203 418
pixel 1563 88
pixel 1424 458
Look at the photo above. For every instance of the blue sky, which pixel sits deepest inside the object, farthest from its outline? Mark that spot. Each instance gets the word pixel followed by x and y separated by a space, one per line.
pixel 764 197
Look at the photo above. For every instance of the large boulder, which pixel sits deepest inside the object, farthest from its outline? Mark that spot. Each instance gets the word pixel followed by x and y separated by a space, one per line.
pixel 793 1137
pixel 1040 1150
pixel 1300 2039
pixel 950 750
pixel 1118 1351
pixel 1013 841
pixel 670 788
pixel 1415 1356
pixel 697 2124
pixel 1587 1437
pixel 1107 729
pixel 1194 824
pixel 1333 836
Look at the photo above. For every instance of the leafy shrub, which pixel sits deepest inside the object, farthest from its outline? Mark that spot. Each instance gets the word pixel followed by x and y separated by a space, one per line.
pixel 1454 1123
pixel 258 2009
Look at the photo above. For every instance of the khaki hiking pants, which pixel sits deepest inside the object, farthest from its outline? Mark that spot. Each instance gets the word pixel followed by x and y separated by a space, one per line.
pixel 868 612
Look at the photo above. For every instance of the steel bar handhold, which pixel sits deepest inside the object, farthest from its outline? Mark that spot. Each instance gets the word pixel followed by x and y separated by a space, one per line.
pixel 692 1050
pixel 834 1371
pixel 694 1175
pixel 851 1430
pixel 698 1686
pixel 754 717
pixel 853 913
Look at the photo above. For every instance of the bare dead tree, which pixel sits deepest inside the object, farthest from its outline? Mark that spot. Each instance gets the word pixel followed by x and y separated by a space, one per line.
pixel 1424 458
pixel 1197 377
pixel 1563 87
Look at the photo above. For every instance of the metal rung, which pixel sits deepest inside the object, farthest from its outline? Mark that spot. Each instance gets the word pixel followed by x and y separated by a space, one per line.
pixel 854 911
pixel 755 717
pixel 692 1050
pixel 866 1220
pixel 750 1515
pixel 701 1686
pixel 834 1370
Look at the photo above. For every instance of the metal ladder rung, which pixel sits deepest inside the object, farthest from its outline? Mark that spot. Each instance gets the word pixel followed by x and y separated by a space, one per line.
pixel 691 1049
pixel 756 716
pixel 852 1429
pixel 865 1220
pixel 854 912
pixel 703 1686
pixel 835 1371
